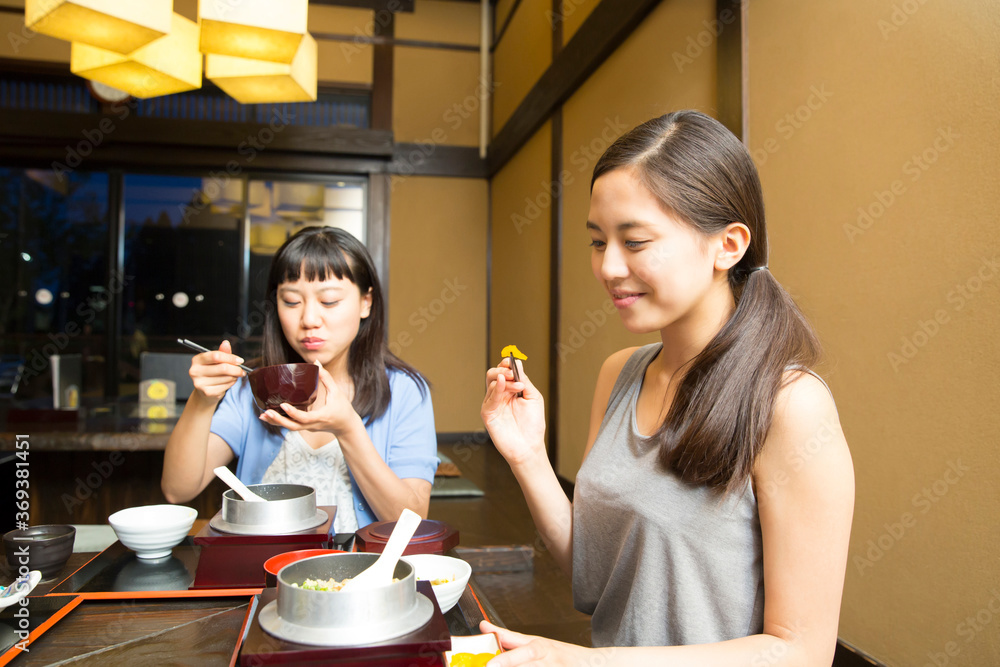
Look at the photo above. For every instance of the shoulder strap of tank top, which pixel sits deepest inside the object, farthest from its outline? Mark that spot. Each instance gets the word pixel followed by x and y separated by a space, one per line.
pixel 637 362
pixel 797 367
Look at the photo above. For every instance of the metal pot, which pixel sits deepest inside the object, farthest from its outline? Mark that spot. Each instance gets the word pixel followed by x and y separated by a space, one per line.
pixel 290 508
pixel 344 618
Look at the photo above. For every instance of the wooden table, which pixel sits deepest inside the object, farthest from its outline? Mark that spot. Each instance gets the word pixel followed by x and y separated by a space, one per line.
pixel 87 614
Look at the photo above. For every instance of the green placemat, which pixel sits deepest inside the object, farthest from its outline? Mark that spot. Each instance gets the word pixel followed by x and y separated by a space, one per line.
pixel 454 487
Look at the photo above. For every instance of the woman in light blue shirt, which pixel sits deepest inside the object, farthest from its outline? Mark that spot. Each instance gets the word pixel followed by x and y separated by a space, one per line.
pixel 368 442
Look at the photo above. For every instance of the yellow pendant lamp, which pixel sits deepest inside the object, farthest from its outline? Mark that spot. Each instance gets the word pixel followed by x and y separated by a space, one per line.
pixel 116 25
pixel 260 81
pixel 168 65
pixel 271 30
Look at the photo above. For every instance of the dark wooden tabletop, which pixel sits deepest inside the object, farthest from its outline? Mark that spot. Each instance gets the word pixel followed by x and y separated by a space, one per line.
pixel 147 628
pixel 515 581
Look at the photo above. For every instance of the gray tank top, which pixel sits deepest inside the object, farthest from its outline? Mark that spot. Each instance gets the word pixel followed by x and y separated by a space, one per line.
pixel 658 561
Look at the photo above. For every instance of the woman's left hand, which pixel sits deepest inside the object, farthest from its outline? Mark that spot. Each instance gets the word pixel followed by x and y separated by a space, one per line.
pixel 332 411
pixel 530 650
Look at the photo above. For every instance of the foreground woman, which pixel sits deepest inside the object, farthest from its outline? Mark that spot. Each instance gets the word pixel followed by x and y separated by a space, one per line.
pixel 712 512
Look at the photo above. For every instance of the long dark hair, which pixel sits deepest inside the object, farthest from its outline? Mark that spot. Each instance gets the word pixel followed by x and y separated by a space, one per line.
pixel 317 253
pixel 722 411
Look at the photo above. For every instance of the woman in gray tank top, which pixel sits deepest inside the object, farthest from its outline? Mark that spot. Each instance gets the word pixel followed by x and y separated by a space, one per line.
pixel 712 512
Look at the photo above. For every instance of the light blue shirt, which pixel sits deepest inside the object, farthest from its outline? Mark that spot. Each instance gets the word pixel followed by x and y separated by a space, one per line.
pixel 403 436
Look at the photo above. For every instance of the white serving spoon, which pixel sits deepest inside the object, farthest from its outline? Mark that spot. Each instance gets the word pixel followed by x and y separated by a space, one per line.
pixel 227 476
pixel 380 572
pixel 21 587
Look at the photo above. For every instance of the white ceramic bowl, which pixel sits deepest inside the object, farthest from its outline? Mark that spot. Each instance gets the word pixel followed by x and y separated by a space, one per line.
pixel 151 531
pixel 431 567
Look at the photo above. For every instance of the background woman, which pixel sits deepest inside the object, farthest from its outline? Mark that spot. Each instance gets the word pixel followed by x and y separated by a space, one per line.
pixel 367 444
pixel 712 512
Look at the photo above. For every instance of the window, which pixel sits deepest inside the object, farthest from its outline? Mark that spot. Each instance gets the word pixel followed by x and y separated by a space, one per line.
pixel 54 269
pixel 194 262
pixel 182 266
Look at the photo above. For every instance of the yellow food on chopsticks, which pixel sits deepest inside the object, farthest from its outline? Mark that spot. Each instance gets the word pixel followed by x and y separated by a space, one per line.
pixel 471 659
pixel 512 349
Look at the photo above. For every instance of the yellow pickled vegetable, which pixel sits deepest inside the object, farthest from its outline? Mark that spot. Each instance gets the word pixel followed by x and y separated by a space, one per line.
pixel 471 659
pixel 512 349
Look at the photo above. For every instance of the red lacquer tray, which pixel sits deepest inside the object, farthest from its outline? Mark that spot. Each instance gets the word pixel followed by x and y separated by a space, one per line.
pixel 423 647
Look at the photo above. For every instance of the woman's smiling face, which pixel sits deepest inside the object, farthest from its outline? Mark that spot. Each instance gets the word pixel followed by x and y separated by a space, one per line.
pixel 656 268
pixel 321 318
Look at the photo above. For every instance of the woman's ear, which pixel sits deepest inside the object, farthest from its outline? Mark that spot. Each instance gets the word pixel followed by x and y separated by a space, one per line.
pixel 366 304
pixel 733 243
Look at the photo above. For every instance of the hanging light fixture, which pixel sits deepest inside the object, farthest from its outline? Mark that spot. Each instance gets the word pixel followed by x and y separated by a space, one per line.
pixel 170 64
pixel 260 81
pixel 116 25
pixel 255 29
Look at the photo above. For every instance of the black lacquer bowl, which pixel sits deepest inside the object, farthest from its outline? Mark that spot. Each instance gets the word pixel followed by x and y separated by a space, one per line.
pixel 48 548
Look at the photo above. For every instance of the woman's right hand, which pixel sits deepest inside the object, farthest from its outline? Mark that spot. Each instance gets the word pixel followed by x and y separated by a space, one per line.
pixel 213 373
pixel 516 424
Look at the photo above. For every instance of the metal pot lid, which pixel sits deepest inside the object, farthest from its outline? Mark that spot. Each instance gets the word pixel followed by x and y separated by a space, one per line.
pixel 220 524
pixel 273 624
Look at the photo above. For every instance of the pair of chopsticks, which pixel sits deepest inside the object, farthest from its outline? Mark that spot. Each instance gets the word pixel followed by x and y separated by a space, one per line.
pixel 194 346
pixel 517 375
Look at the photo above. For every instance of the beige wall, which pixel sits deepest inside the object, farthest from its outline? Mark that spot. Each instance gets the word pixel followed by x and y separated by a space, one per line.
pixel 435 96
pixel 521 224
pixel 439 226
pixel 523 54
pixel 903 126
pixel 19 42
pixel 438 21
pixel 436 91
pixel 638 82
pixel 437 287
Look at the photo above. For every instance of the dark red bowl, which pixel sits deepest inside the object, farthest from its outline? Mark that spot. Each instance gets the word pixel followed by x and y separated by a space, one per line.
pixel 274 564
pixel 295 384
